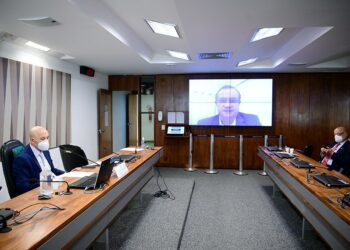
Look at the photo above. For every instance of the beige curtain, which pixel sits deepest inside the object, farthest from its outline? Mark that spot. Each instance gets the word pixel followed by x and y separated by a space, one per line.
pixel 34 96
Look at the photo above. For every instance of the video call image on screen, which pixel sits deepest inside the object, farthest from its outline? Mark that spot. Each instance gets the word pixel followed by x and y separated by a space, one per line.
pixel 230 102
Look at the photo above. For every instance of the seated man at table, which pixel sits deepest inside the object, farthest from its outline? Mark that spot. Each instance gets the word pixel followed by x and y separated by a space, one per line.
pixel 337 154
pixel 32 160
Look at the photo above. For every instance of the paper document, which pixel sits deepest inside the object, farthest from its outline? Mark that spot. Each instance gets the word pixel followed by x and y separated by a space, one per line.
pixel 120 170
pixel 176 117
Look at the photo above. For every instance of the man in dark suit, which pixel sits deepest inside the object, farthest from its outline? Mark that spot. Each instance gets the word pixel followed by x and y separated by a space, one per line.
pixel 227 101
pixel 32 160
pixel 336 156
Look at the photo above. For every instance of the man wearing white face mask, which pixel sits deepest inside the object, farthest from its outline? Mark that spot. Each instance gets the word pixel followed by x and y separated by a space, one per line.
pixel 336 156
pixel 34 158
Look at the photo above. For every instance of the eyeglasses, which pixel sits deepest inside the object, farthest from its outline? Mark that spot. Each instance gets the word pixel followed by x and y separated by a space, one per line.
pixel 228 100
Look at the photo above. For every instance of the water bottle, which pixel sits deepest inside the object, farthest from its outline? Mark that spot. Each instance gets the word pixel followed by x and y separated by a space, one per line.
pixel 45 185
pixel 143 142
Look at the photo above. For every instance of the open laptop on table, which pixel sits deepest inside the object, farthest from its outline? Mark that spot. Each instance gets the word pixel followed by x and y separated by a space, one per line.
pixel 96 181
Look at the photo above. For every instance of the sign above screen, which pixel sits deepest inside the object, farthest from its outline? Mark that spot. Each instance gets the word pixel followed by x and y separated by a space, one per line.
pixel 230 102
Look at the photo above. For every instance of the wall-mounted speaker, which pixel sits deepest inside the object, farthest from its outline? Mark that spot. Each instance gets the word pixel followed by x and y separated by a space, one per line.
pixel 84 70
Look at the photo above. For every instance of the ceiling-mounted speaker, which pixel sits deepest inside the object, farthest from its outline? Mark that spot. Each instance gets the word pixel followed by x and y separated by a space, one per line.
pixel 84 70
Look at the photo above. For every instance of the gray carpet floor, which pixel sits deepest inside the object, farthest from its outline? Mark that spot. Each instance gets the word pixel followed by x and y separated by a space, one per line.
pixel 225 212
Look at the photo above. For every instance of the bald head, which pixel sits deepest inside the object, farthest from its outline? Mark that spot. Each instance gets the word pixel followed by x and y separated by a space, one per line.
pixel 37 134
pixel 341 131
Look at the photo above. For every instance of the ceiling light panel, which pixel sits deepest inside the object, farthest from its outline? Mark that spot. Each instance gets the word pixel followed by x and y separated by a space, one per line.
pixel 37 46
pixel 166 29
pixel 251 60
pixel 265 33
pixel 179 55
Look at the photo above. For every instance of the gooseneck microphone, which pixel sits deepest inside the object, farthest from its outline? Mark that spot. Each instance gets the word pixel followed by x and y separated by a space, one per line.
pixel 80 156
pixel 67 192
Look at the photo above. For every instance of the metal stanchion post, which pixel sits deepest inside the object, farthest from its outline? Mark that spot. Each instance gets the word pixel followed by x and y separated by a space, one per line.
pixel 280 142
pixel 211 167
pixel 266 137
pixel 190 168
pixel 240 171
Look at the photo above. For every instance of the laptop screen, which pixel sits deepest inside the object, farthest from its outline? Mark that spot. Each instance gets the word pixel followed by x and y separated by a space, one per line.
pixel 106 170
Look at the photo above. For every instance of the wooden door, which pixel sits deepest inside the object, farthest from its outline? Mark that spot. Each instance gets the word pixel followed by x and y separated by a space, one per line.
pixel 133 120
pixel 105 124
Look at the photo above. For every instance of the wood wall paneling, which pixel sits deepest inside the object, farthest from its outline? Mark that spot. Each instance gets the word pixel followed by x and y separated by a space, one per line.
pixel 307 108
pixel 124 83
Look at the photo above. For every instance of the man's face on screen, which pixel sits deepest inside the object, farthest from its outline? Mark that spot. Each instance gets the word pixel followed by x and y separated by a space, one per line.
pixel 227 102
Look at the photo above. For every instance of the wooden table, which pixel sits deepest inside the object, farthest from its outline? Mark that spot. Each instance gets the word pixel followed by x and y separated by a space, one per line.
pixel 85 217
pixel 317 203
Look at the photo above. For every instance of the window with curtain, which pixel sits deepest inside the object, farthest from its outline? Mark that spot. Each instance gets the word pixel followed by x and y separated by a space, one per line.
pixel 34 96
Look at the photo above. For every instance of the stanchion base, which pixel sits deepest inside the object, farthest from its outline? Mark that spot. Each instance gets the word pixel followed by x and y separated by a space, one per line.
pixel 262 173
pixel 239 173
pixel 211 171
pixel 190 169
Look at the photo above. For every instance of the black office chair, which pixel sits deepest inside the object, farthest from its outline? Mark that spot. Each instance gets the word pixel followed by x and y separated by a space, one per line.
pixel 308 150
pixel 72 157
pixel 9 151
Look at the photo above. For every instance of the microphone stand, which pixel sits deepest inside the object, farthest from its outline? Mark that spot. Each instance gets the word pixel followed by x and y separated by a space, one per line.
pixel 67 192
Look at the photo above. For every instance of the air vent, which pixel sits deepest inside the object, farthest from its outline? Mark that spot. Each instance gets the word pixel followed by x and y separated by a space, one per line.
pixel 5 36
pixel 40 21
pixel 216 55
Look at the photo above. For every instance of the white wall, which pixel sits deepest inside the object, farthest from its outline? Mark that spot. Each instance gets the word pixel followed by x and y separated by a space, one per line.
pixel 83 104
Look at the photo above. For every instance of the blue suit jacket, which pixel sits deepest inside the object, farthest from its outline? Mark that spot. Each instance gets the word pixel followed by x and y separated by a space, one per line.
pixel 341 158
pixel 26 166
pixel 242 119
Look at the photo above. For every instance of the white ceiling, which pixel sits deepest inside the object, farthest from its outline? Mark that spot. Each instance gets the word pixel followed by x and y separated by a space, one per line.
pixel 113 37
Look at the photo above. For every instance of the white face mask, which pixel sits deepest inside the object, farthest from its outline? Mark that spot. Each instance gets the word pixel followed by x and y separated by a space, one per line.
pixel 44 145
pixel 338 138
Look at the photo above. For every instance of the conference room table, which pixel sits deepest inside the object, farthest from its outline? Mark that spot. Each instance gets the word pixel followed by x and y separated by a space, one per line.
pixel 318 204
pixel 85 216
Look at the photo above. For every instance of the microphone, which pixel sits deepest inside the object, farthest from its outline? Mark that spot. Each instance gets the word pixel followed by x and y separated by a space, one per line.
pixel 67 192
pixel 82 157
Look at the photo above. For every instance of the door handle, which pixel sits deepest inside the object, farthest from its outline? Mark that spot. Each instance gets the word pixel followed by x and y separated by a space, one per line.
pixel 100 131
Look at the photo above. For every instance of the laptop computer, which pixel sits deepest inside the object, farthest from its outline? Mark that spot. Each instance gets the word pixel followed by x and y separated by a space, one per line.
pixel 301 164
pixel 273 148
pixel 330 180
pixel 127 157
pixel 96 181
pixel 284 155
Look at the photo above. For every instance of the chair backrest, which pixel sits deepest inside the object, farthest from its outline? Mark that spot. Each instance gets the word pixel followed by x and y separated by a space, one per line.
pixel 72 157
pixel 9 151
pixel 308 150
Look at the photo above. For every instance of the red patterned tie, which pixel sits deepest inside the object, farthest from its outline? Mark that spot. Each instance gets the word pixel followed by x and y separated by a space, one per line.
pixel 327 157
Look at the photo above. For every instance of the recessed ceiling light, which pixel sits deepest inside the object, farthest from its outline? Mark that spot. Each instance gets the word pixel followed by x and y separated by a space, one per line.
pixel 40 21
pixel 67 57
pixel 167 29
pixel 265 32
pixel 179 55
pixel 251 60
pixel 37 46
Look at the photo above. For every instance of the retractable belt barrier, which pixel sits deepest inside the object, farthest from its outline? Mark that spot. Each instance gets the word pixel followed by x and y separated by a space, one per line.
pixel 190 168
pixel 240 171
